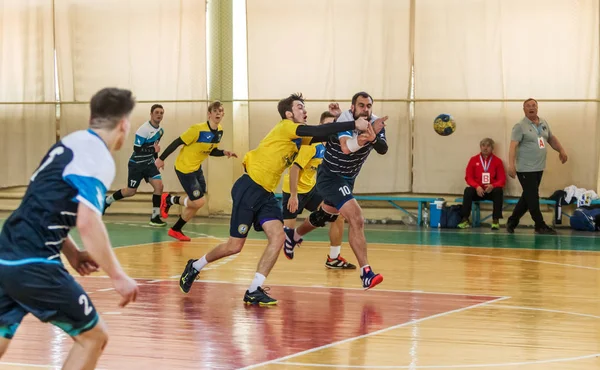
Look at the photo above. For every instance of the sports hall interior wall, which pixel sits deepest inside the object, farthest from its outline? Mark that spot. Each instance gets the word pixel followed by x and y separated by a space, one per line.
pixel 416 65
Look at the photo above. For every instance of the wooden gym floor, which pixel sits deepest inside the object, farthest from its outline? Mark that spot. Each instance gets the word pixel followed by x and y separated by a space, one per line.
pixel 450 300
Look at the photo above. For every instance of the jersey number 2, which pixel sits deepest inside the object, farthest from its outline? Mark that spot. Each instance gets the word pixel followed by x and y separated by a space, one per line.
pixel 56 151
pixel 83 300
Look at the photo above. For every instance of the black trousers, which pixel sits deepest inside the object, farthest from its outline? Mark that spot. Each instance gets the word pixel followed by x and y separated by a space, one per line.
pixel 530 199
pixel 470 195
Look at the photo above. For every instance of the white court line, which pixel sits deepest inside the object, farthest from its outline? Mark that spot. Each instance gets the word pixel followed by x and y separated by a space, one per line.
pixel 29 365
pixel 280 359
pixel 535 362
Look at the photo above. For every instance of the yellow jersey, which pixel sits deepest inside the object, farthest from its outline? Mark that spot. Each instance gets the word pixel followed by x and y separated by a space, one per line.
pixel 276 152
pixel 199 141
pixel 309 158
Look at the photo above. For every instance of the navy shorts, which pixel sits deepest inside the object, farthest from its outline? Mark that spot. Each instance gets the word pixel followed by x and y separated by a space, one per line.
pixel 47 291
pixel 193 183
pixel 139 171
pixel 336 190
pixel 311 201
pixel 252 205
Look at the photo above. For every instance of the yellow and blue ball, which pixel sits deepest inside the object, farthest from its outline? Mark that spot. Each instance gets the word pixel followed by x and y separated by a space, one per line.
pixel 444 125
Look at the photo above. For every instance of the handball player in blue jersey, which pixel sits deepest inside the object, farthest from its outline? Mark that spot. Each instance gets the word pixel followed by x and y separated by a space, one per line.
pixel 67 190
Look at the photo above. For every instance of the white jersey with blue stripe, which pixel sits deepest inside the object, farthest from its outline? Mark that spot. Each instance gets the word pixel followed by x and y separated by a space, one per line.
pixel 145 136
pixel 77 169
pixel 347 165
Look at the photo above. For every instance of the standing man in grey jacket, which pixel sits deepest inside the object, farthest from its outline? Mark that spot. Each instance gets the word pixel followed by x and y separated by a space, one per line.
pixel 531 136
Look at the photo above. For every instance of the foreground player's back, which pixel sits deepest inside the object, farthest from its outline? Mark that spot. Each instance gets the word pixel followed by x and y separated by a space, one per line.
pixel 79 168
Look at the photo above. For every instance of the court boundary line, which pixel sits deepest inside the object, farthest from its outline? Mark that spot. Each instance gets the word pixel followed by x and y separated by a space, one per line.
pixel 343 341
pixel 524 363
pixel 139 224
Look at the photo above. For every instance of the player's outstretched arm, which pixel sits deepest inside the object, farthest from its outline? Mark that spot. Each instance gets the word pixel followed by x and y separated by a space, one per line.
pixel 95 240
pixel 216 152
pixel 322 131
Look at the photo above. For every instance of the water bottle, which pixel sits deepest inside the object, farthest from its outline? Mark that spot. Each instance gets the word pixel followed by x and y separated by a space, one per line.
pixel 426 217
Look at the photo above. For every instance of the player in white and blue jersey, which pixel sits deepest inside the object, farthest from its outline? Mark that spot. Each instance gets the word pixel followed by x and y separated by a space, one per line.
pixel 141 164
pixel 66 191
pixel 345 154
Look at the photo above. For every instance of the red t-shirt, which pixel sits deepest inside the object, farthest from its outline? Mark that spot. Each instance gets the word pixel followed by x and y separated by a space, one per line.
pixel 474 173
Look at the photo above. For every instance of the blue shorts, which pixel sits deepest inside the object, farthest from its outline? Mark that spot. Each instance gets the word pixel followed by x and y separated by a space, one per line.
pixel 47 291
pixel 193 183
pixel 252 205
pixel 310 201
pixel 336 190
pixel 141 171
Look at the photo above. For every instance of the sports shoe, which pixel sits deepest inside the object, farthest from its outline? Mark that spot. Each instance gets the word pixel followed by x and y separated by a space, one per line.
pixel 259 297
pixel 495 226
pixel 339 263
pixel 290 243
pixel 178 235
pixel 164 206
pixel 464 225
pixel 188 276
pixel 157 222
pixel 545 229
pixel 370 279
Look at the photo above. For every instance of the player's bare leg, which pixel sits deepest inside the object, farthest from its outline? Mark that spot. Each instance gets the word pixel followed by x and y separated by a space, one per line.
pixel 290 223
pixel 255 293
pixel 3 346
pixel 194 266
pixel 334 258
pixel 157 187
pixel 87 348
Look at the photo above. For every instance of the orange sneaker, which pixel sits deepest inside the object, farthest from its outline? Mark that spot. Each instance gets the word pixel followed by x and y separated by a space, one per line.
pixel 164 207
pixel 179 235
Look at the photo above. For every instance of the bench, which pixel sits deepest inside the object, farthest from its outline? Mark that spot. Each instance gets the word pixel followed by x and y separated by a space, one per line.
pixel 476 210
pixel 421 202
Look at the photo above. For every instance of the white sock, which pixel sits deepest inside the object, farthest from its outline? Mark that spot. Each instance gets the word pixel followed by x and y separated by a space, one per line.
pixel 185 201
pixel 362 269
pixel 198 265
pixel 155 212
pixel 110 199
pixel 334 252
pixel 296 235
pixel 259 279
pixel 172 199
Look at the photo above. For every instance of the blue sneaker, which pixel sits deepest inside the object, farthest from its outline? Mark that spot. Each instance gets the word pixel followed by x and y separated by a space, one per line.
pixel 290 243
pixel 370 279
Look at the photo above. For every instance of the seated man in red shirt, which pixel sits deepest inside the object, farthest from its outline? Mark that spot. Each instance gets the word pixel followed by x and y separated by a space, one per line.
pixel 486 177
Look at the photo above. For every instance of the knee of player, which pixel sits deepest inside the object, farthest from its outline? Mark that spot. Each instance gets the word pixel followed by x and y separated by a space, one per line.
pixel 235 245
pixel 320 218
pixel 129 192
pixel 198 203
pixel 159 187
pixel 96 337
pixel 498 191
pixel 356 220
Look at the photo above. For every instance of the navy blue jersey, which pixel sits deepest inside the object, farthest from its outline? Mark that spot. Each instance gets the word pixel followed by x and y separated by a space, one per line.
pixel 78 169
pixel 145 137
pixel 347 165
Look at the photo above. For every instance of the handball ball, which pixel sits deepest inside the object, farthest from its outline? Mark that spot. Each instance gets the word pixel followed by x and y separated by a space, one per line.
pixel 444 124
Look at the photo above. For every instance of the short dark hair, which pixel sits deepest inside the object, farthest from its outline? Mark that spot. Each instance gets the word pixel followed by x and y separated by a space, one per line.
pixel 214 105
pixel 361 94
pixel 326 115
pixel 285 105
pixel 108 106
pixel 156 106
pixel 530 99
